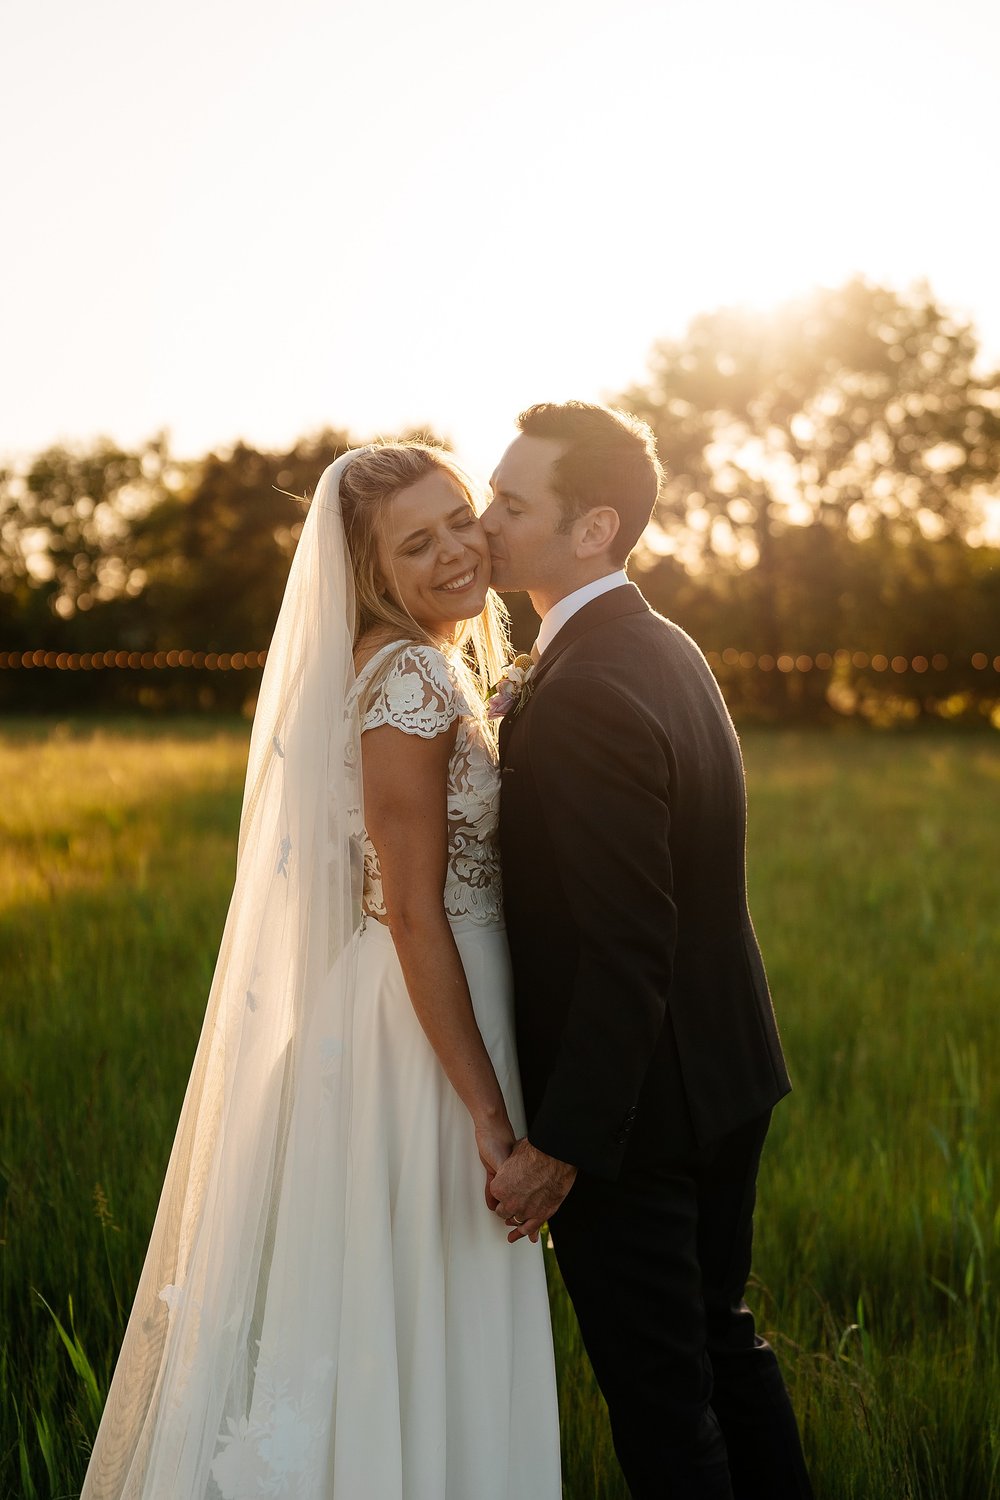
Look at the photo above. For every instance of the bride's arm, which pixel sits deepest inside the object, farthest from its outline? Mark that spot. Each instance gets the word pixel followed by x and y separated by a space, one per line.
pixel 406 817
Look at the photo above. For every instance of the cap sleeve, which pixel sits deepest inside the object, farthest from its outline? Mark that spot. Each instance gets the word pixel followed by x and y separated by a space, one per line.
pixel 417 693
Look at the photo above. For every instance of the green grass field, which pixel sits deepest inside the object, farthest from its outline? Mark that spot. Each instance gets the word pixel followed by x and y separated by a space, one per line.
pixel 875 885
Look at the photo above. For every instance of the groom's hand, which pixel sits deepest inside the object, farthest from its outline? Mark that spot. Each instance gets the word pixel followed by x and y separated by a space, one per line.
pixel 528 1188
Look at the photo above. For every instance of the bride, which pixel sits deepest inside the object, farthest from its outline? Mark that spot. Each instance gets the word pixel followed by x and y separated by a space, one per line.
pixel 328 1307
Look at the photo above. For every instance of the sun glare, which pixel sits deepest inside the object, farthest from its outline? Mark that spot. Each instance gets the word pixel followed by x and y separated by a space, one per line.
pixel 355 225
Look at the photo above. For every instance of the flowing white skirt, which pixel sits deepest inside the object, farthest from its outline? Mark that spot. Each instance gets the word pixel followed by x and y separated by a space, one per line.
pixel 447 1387
pixel 434 1378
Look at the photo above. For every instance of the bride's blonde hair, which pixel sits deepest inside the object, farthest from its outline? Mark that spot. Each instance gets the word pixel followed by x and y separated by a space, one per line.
pixel 368 486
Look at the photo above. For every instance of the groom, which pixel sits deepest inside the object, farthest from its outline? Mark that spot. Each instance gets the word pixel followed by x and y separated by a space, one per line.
pixel 648 1047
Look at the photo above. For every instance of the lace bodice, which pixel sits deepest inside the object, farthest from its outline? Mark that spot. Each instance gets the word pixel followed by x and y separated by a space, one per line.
pixel 418 689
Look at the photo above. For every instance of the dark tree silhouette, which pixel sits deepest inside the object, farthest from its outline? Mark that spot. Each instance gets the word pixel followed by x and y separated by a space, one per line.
pixel 828 470
pixel 858 408
pixel 825 463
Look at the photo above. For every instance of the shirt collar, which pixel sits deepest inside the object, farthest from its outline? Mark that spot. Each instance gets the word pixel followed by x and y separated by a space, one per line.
pixel 561 613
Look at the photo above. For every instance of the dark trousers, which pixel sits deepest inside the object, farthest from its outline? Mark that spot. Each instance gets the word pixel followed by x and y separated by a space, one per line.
pixel 656 1265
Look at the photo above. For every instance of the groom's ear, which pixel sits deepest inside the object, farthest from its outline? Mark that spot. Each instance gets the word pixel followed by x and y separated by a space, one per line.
pixel 598 529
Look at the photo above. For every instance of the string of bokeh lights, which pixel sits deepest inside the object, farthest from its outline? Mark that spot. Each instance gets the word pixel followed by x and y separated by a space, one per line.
pixel 134 661
pixel 239 661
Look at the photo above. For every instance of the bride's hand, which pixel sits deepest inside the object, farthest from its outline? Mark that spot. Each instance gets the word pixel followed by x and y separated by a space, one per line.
pixel 495 1141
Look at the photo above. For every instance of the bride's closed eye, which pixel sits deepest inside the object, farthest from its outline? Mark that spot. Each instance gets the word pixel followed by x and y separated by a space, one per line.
pixel 462 525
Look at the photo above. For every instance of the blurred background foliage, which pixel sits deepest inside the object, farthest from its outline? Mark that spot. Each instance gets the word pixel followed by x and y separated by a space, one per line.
pixel 832 493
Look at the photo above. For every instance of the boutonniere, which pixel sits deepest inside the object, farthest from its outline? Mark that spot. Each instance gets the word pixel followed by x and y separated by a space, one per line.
pixel 513 688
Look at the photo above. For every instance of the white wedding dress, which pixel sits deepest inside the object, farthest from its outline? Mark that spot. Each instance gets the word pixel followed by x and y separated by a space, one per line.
pixel 327 1309
pixel 446 1388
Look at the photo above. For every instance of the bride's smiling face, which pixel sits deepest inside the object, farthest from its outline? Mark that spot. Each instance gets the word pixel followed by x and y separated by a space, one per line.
pixel 433 556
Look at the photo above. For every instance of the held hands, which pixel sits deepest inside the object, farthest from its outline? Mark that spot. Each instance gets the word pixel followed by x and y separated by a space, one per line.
pixel 528 1188
pixel 495 1140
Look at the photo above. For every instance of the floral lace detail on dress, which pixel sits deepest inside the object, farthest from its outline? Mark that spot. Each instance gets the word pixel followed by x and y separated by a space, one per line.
pixel 424 692
pixel 418 694
pixel 264 1454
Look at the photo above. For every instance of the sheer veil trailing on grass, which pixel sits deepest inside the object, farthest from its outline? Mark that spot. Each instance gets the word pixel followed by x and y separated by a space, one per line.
pixel 235 1323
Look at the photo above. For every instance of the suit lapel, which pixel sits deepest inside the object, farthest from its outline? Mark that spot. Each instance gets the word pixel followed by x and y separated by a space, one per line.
pixel 613 605
pixel 506 725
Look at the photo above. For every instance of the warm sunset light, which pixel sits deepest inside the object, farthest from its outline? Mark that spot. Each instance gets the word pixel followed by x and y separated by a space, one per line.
pixel 499 743
pixel 235 220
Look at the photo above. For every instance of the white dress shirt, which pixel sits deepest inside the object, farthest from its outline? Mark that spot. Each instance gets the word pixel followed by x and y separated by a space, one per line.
pixel 566 608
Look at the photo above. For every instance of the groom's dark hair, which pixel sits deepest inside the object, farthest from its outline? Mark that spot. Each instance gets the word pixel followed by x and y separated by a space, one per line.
pixel 609 459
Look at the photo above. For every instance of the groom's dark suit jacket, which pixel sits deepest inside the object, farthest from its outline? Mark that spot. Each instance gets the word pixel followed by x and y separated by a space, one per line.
pixel 644 1022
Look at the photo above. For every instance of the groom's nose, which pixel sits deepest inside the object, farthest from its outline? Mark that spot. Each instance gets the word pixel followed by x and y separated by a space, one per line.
pixel 489 519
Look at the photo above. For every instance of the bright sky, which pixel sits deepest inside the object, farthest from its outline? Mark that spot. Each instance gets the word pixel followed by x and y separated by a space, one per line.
pixel 236 218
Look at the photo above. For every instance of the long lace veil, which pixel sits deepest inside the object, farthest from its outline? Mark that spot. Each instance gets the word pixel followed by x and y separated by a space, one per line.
pixel 238 1306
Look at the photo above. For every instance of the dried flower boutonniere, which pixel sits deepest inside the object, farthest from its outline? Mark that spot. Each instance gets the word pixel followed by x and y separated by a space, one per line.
pixel 513 688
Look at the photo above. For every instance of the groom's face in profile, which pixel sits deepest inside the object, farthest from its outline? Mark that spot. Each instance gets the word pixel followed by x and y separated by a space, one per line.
pixel 527 548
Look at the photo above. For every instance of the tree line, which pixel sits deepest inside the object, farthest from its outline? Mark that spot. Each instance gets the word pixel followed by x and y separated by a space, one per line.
pixel 829 530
